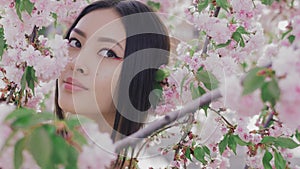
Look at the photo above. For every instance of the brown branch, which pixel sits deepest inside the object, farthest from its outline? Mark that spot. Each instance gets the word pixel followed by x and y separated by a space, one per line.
pixel 11 92
pixel 191 107
pixel 207 39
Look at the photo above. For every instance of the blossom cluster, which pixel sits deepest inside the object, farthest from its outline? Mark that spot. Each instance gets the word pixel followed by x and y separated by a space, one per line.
pixel 29 57
pixel 253 55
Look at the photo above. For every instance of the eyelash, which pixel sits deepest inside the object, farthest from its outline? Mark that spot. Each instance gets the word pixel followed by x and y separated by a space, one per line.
pixel 108 51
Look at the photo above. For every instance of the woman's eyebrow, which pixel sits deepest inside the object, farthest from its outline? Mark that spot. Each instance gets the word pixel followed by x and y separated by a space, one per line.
pixel 81 33
pixel 105 39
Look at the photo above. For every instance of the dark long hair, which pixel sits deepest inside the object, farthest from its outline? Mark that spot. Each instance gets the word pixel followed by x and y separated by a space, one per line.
pixel 144 31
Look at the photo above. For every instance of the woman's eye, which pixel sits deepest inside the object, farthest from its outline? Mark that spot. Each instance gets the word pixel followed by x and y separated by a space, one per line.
pixel 108 53
pixel 73 42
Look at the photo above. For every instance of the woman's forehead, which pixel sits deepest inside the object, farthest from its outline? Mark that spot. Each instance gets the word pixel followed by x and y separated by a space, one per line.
pixel 102 23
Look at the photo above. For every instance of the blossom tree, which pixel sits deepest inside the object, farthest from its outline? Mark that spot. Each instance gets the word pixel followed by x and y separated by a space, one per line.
pixel 242 66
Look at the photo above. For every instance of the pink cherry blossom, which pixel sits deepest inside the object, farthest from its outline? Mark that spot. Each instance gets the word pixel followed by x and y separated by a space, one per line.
pixel 216 28
pixel 231 90
pixel 99 153
pixel 289 99
pixel 287 61
pixel 255 161
pixel 220 162
pixel 5 130
pixel 221 67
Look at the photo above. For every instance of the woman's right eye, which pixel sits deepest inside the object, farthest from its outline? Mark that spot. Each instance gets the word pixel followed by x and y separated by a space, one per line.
pixel 75 43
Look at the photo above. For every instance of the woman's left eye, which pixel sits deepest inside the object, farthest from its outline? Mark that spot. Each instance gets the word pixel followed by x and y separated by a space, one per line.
pixel 108 53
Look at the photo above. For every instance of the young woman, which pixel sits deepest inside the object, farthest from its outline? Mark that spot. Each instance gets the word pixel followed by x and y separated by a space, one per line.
pixel 116 48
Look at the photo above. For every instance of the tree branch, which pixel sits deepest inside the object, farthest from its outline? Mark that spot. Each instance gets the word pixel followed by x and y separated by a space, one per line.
pixel 207 39
pixel 191 107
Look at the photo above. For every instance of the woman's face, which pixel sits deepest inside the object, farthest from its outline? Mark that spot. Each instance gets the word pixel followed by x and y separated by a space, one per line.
pixel 96 46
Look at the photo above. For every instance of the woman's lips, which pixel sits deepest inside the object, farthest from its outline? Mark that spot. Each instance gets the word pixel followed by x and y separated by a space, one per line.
pixel 72 85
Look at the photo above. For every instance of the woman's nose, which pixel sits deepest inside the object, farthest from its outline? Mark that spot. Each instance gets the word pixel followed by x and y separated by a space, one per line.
pixel 78 67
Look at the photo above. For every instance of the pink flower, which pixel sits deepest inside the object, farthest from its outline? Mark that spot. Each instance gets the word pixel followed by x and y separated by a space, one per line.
pixel 4 3
pixel 214 27
pixel 287 61
pixel 270 51
pixel 221 67
pixel 175 164
pixel 255 161
pixel 231 90
pixel 7 158
pixel 99 153
pixel 220 162
pixel 287 106
pixel 5 130
pixel 243 9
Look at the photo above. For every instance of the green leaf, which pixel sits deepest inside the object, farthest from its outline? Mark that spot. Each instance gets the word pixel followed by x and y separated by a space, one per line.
pixel 18 150
pixel 28 6
pixel 28 78
pixel 202 4
pixel 223 4
pixel 199 154
pixel 154 5
pixel 19 113
pixel 291 38
pixel 223 144
pixel 266 160
pixel 285 142
pixel 297 135
pixel 268 140
pixel 242 30
pixel 222 45
pixel 238 38
pixel 267 2
pixel 208 79
pixel 54 16
pixel 285 33
pixel 23 5
pixel 232 143
pixel 18 10
pixel 205 108
pixel 193 50
pixel 60 150
pixel 2 43
pixel 161 74
pixel 23 82
pixel 32 120
pixel 195 91
pixel 253 81
pixel 40 146
pixel 78 137
pixel 188 154
pixel 72 158
pixel 75 121
pixel 280 163
pixel 239 141
pixel 31 78
pixel 206 150
pixel 155 97
pixel 182 82
pixel 270 91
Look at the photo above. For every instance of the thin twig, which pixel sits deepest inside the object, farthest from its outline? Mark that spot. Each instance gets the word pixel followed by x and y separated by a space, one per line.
pixel 269 119
pixel 186 133
pixel 154 134
pixel 191 107
pixel 11 92
pixel 223 118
